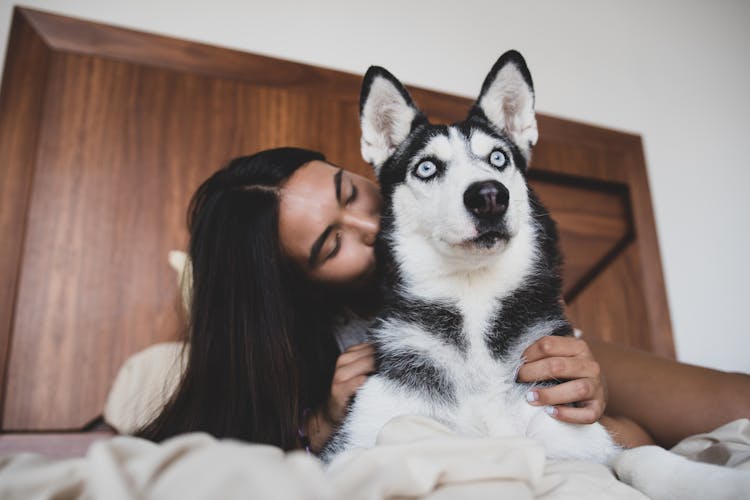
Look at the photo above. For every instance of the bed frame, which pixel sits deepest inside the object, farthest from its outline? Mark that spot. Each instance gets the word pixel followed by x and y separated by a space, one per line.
pixel 106 132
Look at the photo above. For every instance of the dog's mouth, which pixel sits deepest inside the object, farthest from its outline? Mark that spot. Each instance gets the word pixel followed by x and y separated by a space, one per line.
pixel 488 239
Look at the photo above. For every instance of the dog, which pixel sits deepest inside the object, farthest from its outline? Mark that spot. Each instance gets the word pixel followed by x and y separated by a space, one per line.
pixel 471 269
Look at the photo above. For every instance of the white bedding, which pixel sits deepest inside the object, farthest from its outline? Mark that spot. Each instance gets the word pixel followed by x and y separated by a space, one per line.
pixel 416 458
pixel 714 465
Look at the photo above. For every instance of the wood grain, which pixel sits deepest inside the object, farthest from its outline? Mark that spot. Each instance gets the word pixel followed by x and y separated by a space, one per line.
pixel 612 307
pixel 21 105
pixel 592 224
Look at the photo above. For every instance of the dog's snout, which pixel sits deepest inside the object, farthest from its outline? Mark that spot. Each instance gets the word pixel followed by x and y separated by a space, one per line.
pixel 486 199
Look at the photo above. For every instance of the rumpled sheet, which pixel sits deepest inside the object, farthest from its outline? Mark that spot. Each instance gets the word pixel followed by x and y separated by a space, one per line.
pixel 416 457
pixel 714 465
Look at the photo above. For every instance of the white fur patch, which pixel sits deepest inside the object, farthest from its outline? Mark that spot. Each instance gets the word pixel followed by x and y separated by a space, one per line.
pixel 378 401
pixel 439 147
pixel 483 144
pixel 386 121
pixel 509 105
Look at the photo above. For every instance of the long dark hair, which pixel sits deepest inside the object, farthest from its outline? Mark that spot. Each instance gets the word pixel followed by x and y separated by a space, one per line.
pixel 260 339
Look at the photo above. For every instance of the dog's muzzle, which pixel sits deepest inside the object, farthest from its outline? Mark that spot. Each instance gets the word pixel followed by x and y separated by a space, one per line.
pixel 486 200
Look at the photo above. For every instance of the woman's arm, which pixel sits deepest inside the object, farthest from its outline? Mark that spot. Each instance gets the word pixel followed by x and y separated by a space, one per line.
pixel 670 400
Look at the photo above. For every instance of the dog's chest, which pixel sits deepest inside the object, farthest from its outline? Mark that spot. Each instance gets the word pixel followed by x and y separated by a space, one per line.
pixel 487 397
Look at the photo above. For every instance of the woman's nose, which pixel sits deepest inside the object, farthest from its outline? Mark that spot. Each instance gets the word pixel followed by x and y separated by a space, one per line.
pixel 367 225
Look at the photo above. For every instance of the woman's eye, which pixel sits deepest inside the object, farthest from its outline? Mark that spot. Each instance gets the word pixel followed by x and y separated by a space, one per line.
pixel 426 169
pixel 336 246
pixel 353 195
pixel 498 158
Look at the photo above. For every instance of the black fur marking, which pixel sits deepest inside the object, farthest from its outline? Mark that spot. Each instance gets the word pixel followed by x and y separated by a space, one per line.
pixel 538 300
pixel 439 320
pixel 396 168
pixel 417 372
pixel 412 368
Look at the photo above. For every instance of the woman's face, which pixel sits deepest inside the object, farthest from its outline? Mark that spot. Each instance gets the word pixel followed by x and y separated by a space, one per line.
pixel 328 220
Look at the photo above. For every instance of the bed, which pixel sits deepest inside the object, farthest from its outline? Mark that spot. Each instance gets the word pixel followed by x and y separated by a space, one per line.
pixel 106 132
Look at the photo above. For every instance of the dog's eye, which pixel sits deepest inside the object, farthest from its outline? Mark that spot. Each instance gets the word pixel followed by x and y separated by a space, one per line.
pixel 426 169
pixel 498 158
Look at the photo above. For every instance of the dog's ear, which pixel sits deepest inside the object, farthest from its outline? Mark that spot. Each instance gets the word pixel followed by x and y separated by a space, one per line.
pixel 386 114
pixel 507 101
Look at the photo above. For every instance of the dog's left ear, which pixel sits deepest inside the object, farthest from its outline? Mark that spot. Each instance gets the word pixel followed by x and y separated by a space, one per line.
pixel 507 101
pixel 386 113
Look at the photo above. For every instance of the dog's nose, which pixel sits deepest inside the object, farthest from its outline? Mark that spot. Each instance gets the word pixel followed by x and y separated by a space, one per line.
pixel 486 199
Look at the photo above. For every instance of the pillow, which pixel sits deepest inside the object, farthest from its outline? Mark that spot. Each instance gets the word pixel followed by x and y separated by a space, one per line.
pixel 143 386
pixel 148 378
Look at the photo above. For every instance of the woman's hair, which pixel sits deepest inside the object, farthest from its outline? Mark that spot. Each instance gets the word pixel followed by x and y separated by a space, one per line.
pixel 261 346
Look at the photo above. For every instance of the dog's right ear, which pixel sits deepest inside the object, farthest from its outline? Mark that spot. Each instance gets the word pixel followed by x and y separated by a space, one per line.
pixel 386 114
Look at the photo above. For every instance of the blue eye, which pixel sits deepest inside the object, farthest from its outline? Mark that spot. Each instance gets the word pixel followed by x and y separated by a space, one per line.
pixel 425 169
pixel 498 158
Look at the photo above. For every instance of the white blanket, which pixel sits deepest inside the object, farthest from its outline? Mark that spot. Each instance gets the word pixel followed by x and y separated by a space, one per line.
pixel 415 458
pixel 715 465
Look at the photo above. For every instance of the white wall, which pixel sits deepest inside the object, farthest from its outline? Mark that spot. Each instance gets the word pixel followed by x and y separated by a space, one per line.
pixel 675 72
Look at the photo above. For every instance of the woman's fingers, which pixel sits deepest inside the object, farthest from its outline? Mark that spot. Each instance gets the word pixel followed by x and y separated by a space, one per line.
pixel 574 391
pixel 352 369
pixel 354 353
pixel 553 345
pixel 363 366
pixel 559 368
pixel 581 415
pixel 587 393
pixel 359 347
pixel 355 361
pixel 571 360
pixel 355 383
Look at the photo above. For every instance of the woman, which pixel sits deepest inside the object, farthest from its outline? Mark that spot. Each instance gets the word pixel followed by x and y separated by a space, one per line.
pixel 281 244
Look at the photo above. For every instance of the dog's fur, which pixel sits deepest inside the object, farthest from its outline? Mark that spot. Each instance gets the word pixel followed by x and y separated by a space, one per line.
pixel 468 285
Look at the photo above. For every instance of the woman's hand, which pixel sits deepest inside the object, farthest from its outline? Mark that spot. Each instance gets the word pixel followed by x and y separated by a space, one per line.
pixel 568 359
pixel 353 367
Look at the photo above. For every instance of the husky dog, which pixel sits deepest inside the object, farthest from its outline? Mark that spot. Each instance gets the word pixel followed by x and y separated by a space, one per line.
pixel 471 269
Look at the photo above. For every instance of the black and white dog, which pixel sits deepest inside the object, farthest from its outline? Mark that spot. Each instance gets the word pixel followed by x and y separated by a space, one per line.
pixel 471 268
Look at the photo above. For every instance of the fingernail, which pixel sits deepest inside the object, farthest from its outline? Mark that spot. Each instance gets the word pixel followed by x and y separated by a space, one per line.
pixel 551 410
pixel 532 396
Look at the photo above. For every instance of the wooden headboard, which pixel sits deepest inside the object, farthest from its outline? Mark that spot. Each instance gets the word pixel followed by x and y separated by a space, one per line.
pixel 106 132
